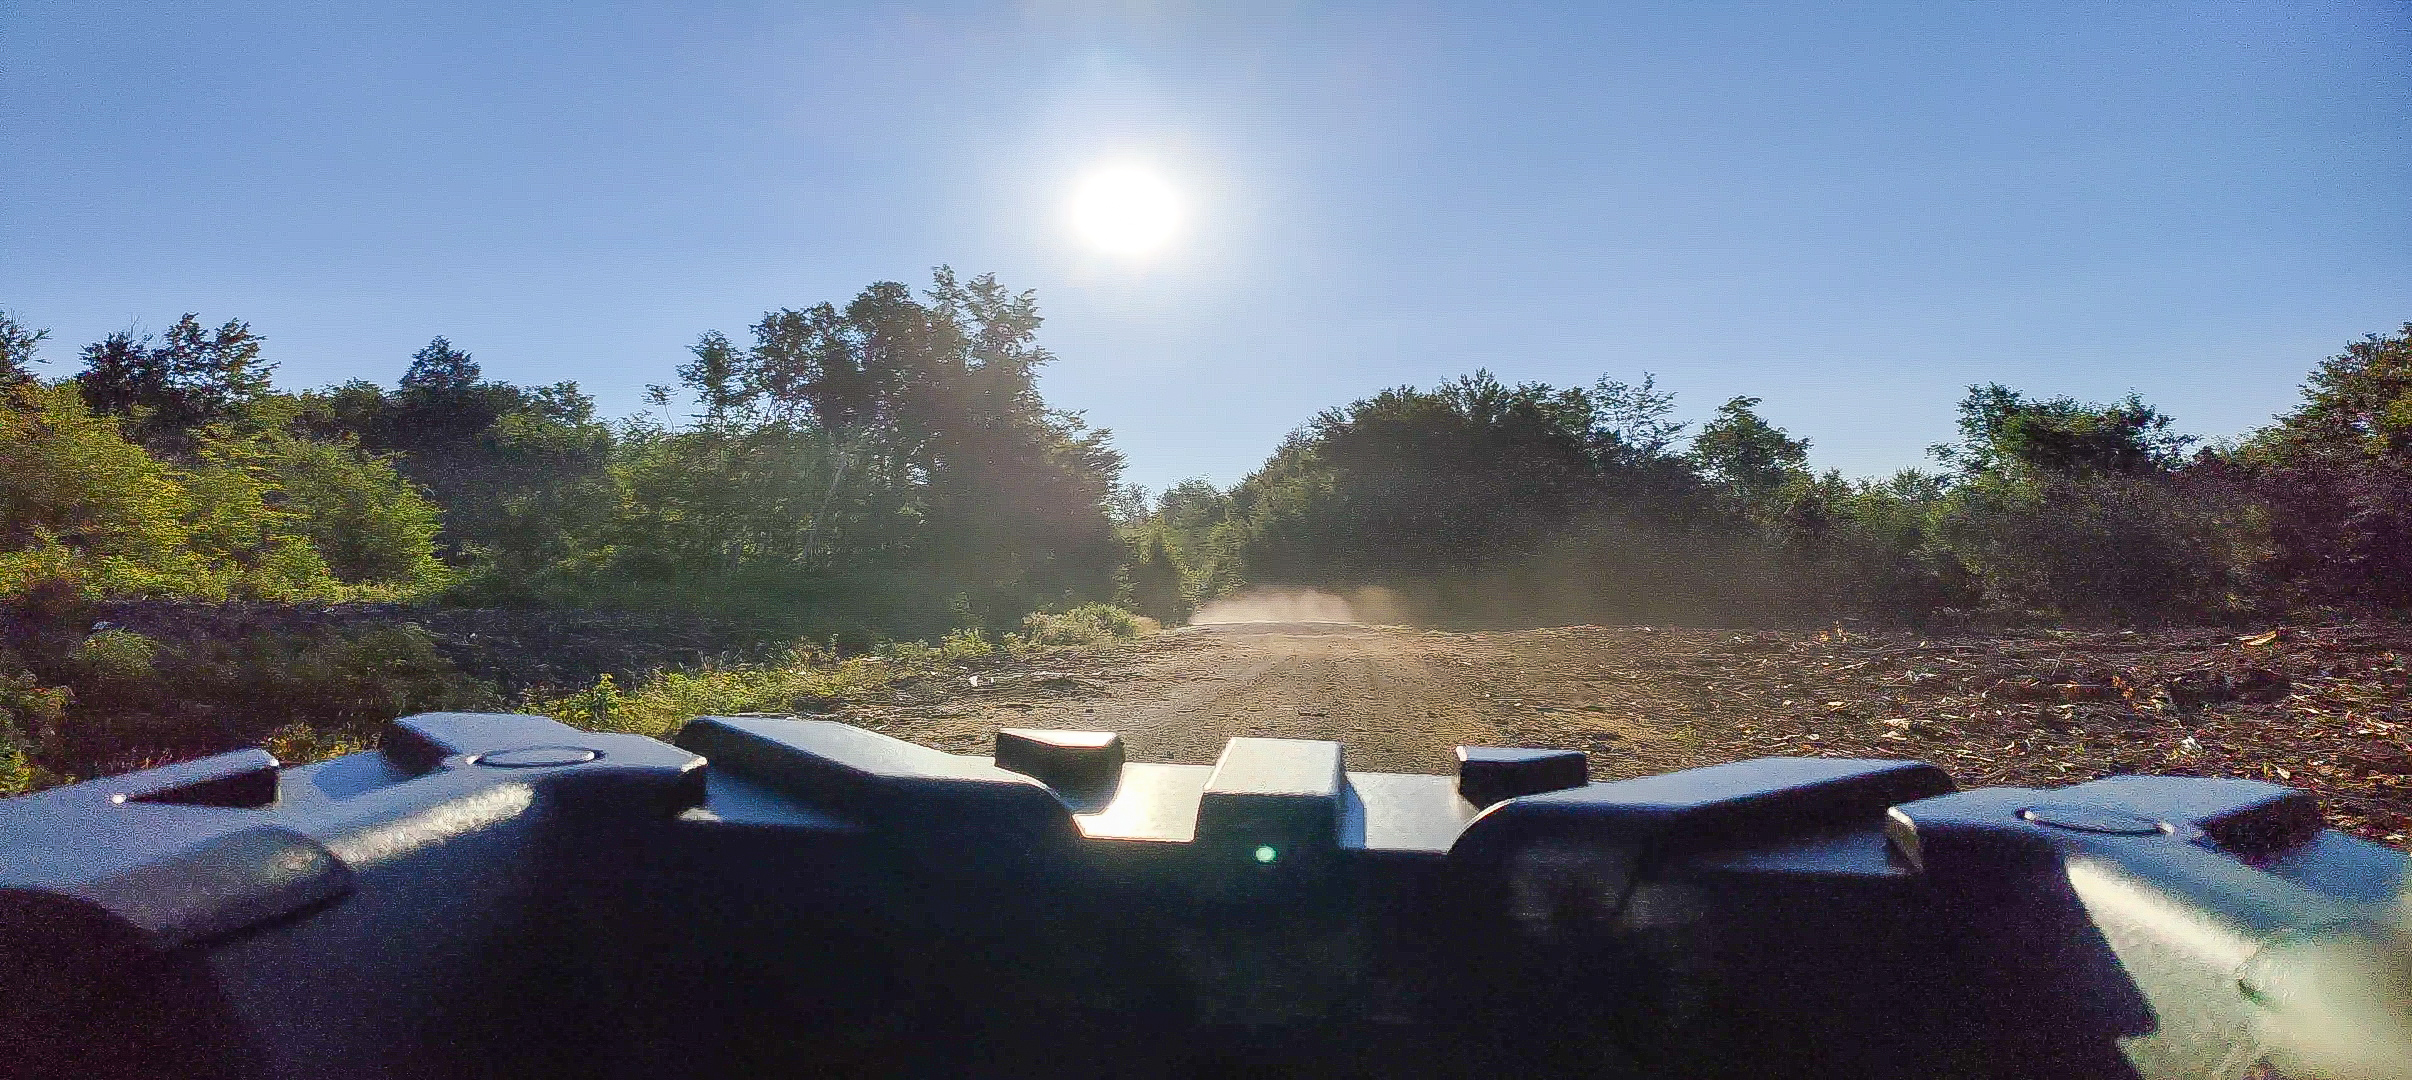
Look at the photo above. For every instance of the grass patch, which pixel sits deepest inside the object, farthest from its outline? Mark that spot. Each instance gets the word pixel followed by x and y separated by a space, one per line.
pixel 813 679
pixel 807 680
pixel 77 703
pixel 83 697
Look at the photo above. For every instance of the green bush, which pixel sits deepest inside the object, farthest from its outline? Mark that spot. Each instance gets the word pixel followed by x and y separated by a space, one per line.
pixel 254 550
pixel 115 655
pixel 1869 544
pixel 29 712
pixel 80 504
pixel 1087 624
pixel 809 679
pixel 299 744
pixel 2128 545
pixel 259 516
pixel 367 522
pixel 139 699
pixel 958 645
pixel 805 680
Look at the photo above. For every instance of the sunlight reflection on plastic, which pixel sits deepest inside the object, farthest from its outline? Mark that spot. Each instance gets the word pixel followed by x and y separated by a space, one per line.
pixel 1126 210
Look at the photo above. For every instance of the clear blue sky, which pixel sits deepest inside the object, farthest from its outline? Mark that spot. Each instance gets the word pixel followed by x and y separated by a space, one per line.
pixel 1850 212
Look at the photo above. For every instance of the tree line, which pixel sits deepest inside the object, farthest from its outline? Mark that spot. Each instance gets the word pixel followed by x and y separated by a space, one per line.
pixel 892 459
pixel 2041 507
pixel 891 453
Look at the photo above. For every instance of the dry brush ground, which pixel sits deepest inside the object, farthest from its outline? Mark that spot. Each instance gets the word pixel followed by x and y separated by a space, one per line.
pixel 2319 708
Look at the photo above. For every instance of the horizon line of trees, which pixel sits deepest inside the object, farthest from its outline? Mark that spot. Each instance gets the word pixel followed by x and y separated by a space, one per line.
pixel 1587 498
pixel 894 454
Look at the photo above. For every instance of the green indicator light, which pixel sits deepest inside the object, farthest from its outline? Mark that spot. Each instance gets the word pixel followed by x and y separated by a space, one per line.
pixel 1266 854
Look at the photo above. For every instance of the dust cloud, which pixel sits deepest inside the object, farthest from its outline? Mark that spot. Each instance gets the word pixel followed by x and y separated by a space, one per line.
pixel 1278 605
pixel 1610 573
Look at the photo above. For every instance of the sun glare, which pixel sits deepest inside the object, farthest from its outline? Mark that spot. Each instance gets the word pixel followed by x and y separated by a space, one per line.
pixel 1126 210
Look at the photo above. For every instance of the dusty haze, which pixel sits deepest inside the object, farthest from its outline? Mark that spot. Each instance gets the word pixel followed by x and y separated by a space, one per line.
pixel 1292 605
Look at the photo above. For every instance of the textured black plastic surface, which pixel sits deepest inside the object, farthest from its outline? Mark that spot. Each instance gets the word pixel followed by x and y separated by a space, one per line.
pixel 241 778
pixel 1274 789
pixel 892 783
pixel 1076 760
pixel 506 895
pixel 1489 774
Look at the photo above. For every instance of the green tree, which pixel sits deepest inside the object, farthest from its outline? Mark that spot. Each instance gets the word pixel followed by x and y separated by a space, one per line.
pixel 1193 506
pixel 191 379
pixel 2004 432
pixel 2357 403
pixel 521 474
pixel 1462 475
pixel 1128 506
pixel 1415 479
pixel 1633 425
pixel 715 376
pixel 2337 474
pixel 17 345
pixel 1203 531
pixel 1752 457
pixel 2068 506
pixel 718 502
pixel 80 503
pixel 443 401
pixel 1157 581
pixel 366 521
pixel 940 453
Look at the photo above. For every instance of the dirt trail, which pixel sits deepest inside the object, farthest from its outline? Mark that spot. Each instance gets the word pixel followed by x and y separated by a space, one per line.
pixel 2319 707
pixel 1397 699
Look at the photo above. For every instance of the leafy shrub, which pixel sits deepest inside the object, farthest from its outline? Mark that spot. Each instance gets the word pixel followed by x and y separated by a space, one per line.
pixel 1087 624
pixel 29 712
pixel 1870 544
pixel 300 744
pixel 141 699
pixel 1156 582
pixel 354 679
pixel 82 505
pixel 596 706
pixel 2342 526
pixel 366 522
pixel 115 655
pixel 254 551
pixel 806 680
pixel 2109 544
pixel 262 516
pixel 964 643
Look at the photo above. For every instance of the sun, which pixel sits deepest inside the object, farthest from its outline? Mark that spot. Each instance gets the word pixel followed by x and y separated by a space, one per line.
pixel 1127 210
